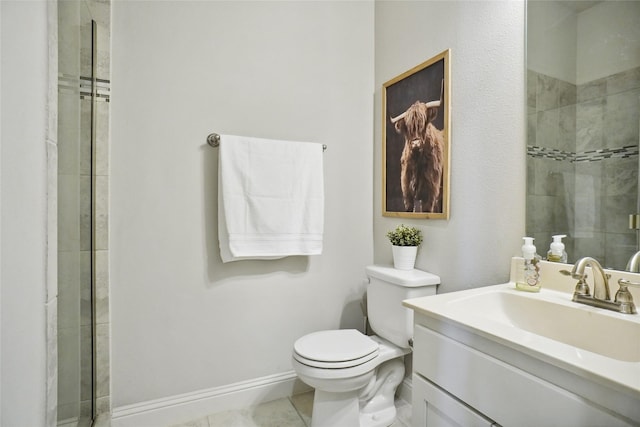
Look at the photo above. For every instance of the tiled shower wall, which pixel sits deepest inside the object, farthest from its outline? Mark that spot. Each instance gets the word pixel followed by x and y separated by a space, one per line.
pixel 582 161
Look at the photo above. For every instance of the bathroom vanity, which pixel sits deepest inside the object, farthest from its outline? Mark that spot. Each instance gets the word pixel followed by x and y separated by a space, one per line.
pixel 495 356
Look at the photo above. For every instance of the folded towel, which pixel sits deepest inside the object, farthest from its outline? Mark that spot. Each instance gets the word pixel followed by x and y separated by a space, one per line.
pixel 270 198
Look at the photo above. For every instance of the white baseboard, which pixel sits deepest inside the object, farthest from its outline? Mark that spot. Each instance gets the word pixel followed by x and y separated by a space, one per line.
pixel 189 406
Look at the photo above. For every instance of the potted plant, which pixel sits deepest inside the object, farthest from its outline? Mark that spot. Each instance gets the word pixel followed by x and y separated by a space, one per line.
pixel 405 241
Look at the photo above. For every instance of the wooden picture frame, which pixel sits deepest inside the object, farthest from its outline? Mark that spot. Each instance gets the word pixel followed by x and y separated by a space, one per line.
pixel 416 141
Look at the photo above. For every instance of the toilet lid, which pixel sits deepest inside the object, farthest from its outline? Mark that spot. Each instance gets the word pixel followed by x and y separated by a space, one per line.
pixel 343 345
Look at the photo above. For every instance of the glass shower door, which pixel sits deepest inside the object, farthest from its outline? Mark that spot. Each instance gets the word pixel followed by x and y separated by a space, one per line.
pixel 76 271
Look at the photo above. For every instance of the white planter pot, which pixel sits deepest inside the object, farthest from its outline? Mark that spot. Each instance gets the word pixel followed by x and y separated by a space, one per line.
pixel 404 257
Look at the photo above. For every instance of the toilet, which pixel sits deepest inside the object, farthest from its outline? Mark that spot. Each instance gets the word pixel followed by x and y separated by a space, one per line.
pixel 355 376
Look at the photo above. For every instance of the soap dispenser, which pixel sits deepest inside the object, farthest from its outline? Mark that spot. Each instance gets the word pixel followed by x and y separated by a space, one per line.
pixel 531 273
pixel 556 250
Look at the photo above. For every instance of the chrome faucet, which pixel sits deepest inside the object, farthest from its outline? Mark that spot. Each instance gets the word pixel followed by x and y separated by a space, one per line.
pixel 601 298
pixel 634 263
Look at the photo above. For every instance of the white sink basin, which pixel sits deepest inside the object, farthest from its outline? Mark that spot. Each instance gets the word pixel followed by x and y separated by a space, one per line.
pixel 597 344
pixel 550 314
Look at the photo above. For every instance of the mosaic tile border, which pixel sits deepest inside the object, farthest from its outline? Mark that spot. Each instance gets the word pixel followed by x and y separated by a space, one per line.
pixel 82 85
pixel 586 156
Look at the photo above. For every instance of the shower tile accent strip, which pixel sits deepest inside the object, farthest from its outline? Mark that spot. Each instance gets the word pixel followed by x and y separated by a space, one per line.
pixel 586 156
pixel 103 89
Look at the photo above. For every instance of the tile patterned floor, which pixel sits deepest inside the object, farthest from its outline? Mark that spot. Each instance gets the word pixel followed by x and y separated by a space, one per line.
pixel 287 412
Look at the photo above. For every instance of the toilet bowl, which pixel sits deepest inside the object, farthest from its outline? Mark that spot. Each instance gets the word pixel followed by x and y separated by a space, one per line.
pixel 355 376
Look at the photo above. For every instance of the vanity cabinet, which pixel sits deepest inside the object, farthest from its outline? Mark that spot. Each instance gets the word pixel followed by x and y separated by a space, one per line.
pixel 464 379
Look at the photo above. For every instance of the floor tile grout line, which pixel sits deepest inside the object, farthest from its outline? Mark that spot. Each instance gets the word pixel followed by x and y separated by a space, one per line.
pixel 297 411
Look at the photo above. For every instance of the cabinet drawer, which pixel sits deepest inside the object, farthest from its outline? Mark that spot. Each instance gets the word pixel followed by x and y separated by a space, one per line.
pixel 434 407
pixel 508 395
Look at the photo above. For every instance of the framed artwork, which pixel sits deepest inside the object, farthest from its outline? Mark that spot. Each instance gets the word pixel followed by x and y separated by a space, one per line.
pixel 416 141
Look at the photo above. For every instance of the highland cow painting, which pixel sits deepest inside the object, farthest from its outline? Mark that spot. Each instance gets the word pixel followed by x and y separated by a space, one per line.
pixel 415 141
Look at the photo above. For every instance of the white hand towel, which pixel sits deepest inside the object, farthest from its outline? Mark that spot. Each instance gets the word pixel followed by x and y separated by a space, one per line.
pixel 270 198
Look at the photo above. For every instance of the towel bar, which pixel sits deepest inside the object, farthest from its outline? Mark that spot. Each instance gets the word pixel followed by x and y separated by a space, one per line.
pixel 214 140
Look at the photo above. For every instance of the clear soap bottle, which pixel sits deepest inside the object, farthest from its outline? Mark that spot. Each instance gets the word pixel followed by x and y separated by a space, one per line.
pixel 556 250
pixel 531 274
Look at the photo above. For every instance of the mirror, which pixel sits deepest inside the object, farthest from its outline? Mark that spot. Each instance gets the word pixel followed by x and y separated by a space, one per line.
pixel 583 98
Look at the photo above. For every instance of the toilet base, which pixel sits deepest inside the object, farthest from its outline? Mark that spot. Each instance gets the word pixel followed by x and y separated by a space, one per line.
pixel 332 409
pixel 371 406
pixel 343 409
pixel 383 418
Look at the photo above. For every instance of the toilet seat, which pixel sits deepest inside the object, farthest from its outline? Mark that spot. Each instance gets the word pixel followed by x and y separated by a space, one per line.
pixel 336 349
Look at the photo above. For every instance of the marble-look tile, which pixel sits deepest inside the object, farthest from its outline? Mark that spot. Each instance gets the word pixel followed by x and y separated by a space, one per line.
pixel 567 128
pixel 68 289
pixel 547 128
pixel 620 125
pixel 278 413
pixel 589 125
pixel 566 93
pixel 626 80
pixel 546 93
pixel 303 403
pixel 103 405
pixel 85 212
pixel 102 287
pixel 69 129
pixel 102 138
pixel 104 420
pixel 102 213
pixel 52 221
pixel 102 367
pixel 85 288
pixel 68 372
pixel 619 248
pixel 532 81
pixel 620 177
pixel 592 90
pixel 68 215
pixel 85 137
pixel 52 363
pixel 292 412
pixel 86 365
pixel 201 422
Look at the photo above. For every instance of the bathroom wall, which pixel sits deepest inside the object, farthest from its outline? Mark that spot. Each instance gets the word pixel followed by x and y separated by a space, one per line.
pixel 488 170
pixel 27 137
pixel 181 320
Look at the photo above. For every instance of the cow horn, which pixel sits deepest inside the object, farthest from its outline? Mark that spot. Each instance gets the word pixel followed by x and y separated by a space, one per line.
pixel 395 119
pixel 430 104
pixel 436 104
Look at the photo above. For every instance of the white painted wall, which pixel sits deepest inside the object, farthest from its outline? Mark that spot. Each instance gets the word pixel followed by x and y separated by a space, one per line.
pixel 552 41
pixel 582 47
pixel 488 169
pixel 181 320
pixel 23 212
pixel 602 50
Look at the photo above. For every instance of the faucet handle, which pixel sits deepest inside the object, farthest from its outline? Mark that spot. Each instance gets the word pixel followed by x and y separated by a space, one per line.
pixel 624 297
pixel 624 283
pixel 573 275
pixel 581 287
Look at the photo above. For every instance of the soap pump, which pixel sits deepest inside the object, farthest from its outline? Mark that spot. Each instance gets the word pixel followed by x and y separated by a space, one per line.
pixel 556 250
pixel 531 273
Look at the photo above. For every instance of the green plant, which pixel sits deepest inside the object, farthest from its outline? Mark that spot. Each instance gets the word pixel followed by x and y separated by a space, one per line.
pixel 405 236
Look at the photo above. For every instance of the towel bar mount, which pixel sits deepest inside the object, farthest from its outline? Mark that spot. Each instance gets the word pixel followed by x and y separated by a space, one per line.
pixel 214 140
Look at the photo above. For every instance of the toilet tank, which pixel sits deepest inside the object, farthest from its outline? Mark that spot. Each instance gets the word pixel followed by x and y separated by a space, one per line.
pixel 387 289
